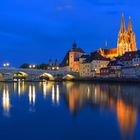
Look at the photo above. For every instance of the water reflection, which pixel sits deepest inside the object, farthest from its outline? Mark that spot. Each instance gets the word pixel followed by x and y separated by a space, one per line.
pixel 106 96
pixel 32 94
pixel 122 100
pixel 6 99
pixel 46 88
pixel 127 117
pixel 55 94
pixel 20 87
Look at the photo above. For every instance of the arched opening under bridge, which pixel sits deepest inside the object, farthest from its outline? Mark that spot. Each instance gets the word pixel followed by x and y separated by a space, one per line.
pixel 46 77
pixel 20 76
pixel 69 77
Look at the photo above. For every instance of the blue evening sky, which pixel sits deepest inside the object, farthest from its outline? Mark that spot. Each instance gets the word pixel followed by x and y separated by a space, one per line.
pixel 32 31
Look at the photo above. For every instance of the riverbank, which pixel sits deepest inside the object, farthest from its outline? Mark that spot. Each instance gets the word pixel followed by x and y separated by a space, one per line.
pixel 115 80
pixel 97 79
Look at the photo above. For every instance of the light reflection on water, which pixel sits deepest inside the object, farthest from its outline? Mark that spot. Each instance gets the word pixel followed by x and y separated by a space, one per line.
pixel 122 100
pixel 6 99
pixel 32 94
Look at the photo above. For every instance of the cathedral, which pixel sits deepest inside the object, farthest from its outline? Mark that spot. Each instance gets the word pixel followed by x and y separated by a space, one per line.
pixel 126 41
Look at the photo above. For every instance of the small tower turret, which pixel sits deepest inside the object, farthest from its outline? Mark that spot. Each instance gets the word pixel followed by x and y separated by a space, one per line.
pixel 56 62
pixel 50 62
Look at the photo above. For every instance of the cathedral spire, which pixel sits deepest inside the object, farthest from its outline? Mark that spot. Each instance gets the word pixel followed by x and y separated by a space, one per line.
pixel 123 29
pixel 130 25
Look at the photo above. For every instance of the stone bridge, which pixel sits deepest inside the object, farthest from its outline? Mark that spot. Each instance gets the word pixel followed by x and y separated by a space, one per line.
pixel 10 74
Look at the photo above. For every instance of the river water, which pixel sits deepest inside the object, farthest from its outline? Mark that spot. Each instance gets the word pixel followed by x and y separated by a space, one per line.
pixel 69 111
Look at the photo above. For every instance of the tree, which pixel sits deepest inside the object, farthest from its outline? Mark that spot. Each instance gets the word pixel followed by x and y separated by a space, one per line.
pixel 42 66
pixel 24 66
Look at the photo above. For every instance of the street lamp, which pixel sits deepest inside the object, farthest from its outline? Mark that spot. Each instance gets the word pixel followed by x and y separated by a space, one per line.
pixel 32 66
pixel 6 65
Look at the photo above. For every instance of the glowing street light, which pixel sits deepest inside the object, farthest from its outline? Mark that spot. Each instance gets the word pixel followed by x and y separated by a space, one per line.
pixel 6 65
pixel 32 66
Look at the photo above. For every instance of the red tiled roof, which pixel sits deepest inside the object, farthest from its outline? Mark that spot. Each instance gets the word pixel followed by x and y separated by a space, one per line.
pixel 128 56
pixel 110 51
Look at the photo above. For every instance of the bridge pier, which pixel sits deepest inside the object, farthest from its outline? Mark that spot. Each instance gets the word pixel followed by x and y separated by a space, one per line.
pixel 33 77
pixel 7 77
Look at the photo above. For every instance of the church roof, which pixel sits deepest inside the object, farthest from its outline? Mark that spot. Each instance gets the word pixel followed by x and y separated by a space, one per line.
pixel 115 63
pixel 128 56
pixel 85 56
pixel 65 61
pixel 76 49
pixel 110 51
pixel 95 56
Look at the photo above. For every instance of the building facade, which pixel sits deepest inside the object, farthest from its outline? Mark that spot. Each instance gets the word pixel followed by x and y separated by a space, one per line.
pixel 98 62
pixel 90 65
pixel 85 70
pixel 126 42
pixel 71 61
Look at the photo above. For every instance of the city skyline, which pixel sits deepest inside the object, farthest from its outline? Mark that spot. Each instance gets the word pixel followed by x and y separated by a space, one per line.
pixel 26 33
pixel 69 69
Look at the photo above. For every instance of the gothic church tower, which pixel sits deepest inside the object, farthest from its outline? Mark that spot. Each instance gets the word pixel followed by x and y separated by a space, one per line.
pixel 131 37
pixel 126 39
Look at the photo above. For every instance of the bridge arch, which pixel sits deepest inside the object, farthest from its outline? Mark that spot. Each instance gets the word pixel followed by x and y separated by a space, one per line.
pixel 1 77
pixel 46 76
pixel 20 76
pixel 69 77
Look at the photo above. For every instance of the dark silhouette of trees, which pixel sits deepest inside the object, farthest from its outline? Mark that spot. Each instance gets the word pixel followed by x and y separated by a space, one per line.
pixel 24 66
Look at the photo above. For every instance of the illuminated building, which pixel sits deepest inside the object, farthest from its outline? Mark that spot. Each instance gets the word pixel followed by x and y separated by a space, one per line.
pixel 126 42
pixel 85 70
pixel 109 53
pixel 85 66
pixel 71 60
pixel 91 64
pixel 98 62
pixel 126 39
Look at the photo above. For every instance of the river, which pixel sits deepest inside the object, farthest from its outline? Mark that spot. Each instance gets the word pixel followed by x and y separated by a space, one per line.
pixel 69 111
